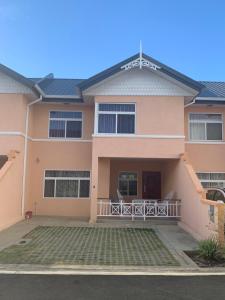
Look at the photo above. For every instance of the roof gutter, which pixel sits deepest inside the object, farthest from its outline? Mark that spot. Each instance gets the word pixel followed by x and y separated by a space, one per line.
pixel 25 152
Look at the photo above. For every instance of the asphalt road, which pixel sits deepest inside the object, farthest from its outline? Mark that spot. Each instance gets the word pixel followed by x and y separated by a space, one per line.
pixel 46 287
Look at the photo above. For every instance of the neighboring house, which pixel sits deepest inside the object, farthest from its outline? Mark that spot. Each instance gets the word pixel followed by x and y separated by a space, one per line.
pixel 129 128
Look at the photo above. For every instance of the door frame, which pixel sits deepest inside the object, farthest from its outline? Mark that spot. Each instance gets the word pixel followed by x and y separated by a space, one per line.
pixel 151 172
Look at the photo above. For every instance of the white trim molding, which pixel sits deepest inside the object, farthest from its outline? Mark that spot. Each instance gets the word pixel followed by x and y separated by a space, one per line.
pixel 20 133
pixel 206 142
pixel 60 140
pixel 12 133
pixel 148 136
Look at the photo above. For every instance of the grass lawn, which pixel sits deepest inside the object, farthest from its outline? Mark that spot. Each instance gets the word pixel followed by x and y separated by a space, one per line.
pixel 90 246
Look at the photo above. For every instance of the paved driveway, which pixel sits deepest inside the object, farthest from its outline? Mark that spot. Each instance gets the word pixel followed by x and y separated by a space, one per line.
pixel 89 246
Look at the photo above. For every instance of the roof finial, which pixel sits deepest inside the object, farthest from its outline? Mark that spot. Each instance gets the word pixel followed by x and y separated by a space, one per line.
pixel 140 54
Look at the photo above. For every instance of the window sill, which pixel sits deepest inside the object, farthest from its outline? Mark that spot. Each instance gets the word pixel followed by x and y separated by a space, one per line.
pixel 219 142
pixel 64 138
pixel 66 198
pixel 133 135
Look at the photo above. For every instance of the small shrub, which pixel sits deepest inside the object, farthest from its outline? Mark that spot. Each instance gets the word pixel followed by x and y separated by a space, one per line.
pixel 210 249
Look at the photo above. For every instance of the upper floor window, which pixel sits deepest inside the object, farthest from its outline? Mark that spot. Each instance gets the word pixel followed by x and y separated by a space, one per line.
pixel 65 124
pixel 205 127
pixel 116 118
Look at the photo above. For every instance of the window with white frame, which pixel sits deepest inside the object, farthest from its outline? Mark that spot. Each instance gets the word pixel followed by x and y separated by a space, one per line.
pixel 67 184
pixel 65 124
pixel 205 127
pixel 115 118
pixel 128 183
pixel 212 180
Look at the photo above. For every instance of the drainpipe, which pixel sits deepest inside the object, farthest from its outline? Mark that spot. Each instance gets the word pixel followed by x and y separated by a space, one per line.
pixel 192 102
pixel 25 152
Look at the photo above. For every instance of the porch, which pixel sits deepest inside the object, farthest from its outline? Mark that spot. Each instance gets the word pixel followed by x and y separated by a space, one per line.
pixel 136 189
pixel 140 209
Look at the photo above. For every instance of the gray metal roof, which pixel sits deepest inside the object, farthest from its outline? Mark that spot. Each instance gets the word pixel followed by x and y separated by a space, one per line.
pixel 62 89
pixel 59 86
pixel 20 78
pixel 71 87
pixel 163 68
pixel 213 89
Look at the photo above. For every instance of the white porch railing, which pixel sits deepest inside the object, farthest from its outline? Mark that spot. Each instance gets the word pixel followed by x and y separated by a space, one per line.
pixel 136 209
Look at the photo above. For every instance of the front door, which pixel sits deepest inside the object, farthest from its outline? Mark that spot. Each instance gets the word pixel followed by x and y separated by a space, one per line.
pixel 151 185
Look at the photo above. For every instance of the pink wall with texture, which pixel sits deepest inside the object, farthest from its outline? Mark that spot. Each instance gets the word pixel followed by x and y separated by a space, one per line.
pixel 205 157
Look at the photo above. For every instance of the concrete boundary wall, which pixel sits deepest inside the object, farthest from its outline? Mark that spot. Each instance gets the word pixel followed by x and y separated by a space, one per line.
pixel 195 213
pixel 10 191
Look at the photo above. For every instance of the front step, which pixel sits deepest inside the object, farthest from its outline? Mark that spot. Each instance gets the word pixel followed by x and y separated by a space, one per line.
pixel 140 221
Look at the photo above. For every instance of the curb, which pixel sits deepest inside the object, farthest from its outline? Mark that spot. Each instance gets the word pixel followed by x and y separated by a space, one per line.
pixel 110 270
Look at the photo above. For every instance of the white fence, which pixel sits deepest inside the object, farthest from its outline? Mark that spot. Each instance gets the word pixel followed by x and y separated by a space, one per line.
pixel 136 209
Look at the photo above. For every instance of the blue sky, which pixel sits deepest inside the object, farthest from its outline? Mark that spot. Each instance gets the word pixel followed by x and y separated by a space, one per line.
pixel 78 38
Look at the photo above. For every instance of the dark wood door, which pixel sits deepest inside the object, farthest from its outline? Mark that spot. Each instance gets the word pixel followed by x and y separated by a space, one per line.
pixel 151 185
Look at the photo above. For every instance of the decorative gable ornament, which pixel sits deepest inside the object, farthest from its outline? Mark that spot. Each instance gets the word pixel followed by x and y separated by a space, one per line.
pixel 139 63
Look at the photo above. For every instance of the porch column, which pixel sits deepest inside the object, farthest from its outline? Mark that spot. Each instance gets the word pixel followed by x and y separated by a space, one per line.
pixel 103 178
pixel 94 190
pixel 100 183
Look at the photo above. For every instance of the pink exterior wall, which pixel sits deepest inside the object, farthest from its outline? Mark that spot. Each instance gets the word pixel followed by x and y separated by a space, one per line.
pixel 160 116
pixel 57 156
pixel 12 128
pixel 12 112
pixel 137 147
pixel 41 112
pixel 154 114
pixel 47 154
pixel 11 192
pixel 180 178
pixel 104 156
pixel 104 178
pixel 205 156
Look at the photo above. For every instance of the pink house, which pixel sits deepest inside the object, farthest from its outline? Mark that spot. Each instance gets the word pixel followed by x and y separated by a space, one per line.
pixel 134 141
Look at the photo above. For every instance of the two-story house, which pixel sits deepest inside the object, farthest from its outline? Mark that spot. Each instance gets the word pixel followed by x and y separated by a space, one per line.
pixel 126 142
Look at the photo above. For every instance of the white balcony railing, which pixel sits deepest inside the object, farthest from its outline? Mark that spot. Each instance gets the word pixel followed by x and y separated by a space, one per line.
pixel 140 209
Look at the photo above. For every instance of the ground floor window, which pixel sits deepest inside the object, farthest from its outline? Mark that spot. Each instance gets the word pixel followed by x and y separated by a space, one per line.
pixel 67 184
pixel 212 180
pixel 128 183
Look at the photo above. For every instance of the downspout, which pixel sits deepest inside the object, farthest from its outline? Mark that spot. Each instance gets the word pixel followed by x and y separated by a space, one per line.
pixel 192 102
pixel 25 153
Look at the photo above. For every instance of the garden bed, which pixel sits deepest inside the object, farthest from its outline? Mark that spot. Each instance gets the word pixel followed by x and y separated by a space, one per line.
pixel 203 263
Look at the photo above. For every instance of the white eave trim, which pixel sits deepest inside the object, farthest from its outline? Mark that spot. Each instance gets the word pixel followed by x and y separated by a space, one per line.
pixel 62 96
pixel 211 98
